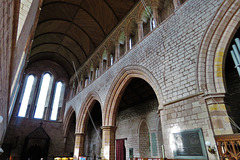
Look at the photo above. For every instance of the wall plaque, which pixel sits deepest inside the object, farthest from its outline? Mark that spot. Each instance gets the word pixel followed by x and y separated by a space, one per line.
pixel 189 144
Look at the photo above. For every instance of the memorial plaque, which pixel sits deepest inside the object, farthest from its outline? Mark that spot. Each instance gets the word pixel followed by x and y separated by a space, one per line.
pixel 190 144
pixel 130 152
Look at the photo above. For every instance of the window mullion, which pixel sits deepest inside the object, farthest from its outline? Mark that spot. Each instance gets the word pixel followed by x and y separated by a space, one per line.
pixel 48 103
pixel 59 115
pixel 49 109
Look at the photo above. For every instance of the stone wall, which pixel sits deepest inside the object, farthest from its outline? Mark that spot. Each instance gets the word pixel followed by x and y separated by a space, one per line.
pixel 189 113
pixel 128 126
pixel 20 128
pixel 6 33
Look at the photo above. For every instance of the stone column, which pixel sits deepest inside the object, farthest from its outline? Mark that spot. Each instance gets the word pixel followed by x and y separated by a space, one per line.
pixel 117 51
pixel 108 142
pixel 176 3
pixel 79 145
pixel 140 30
pixel 100 67
pixel 218 113
pixel 108 59
pixel 127 42
pixel 155 12
pixel 48 110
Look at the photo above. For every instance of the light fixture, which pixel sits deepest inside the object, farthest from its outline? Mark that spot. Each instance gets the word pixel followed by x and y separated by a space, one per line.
pixel 211 149
pixel 1 151
pixel 1 119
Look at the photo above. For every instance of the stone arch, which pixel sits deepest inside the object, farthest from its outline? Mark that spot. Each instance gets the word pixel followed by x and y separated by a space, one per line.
pixel 110 47
pixel 119 85
pixel 216 41
pixel 140 11
pixel 131 31
pixel 82 119
pixel 66 119
pixel 139 125
pixel 129 24
pixel 121 37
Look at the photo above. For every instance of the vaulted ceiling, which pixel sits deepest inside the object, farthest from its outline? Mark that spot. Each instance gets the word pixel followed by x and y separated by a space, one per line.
pixel 69 31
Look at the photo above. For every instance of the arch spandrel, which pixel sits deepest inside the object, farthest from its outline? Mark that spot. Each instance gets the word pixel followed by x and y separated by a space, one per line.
pixel 66 119
pixel 214 47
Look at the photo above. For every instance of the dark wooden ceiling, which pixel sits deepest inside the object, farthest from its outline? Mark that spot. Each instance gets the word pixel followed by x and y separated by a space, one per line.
pixel 69 31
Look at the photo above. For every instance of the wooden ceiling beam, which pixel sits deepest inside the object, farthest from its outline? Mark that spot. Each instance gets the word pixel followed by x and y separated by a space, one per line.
pixel 80 7
pixel 63 35
pixel 58 19
pixel 59 44
pixel 114 13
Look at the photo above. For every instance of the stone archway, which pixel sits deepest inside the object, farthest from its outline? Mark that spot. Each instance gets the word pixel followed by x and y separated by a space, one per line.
pixel 118 86
pixel 211 61
pixel 83 120
pixel 112 102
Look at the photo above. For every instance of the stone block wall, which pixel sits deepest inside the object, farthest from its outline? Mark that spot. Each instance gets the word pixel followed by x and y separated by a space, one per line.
pixel 128 126
pixel 186 114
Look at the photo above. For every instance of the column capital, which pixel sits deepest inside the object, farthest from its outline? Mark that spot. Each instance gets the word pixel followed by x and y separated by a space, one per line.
pixel 113 128
pixel 154 3
pixel 80 134
pixel 213 98
pixel 139 21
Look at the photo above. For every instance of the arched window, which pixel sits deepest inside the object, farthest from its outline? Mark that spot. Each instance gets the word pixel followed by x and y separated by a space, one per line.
pixel 42 96
pixel 86 81
pixel 104 60
pixel 111 59
pixel 148 21
pixel 97 72
pixel 56 100
pixel 152 23
pixel 26 96
pixel 130 42
pixel 122 43
pixel 112 53
pixel 91 73
pixel 91 76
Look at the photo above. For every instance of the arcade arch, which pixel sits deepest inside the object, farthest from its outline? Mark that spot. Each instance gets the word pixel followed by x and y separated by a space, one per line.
pixel 134 96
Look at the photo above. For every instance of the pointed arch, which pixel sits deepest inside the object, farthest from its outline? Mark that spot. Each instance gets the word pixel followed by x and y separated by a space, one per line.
pixel 66 119
pixel 213 50
pixel 83 116
pixel 140 123
pixel 119 85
